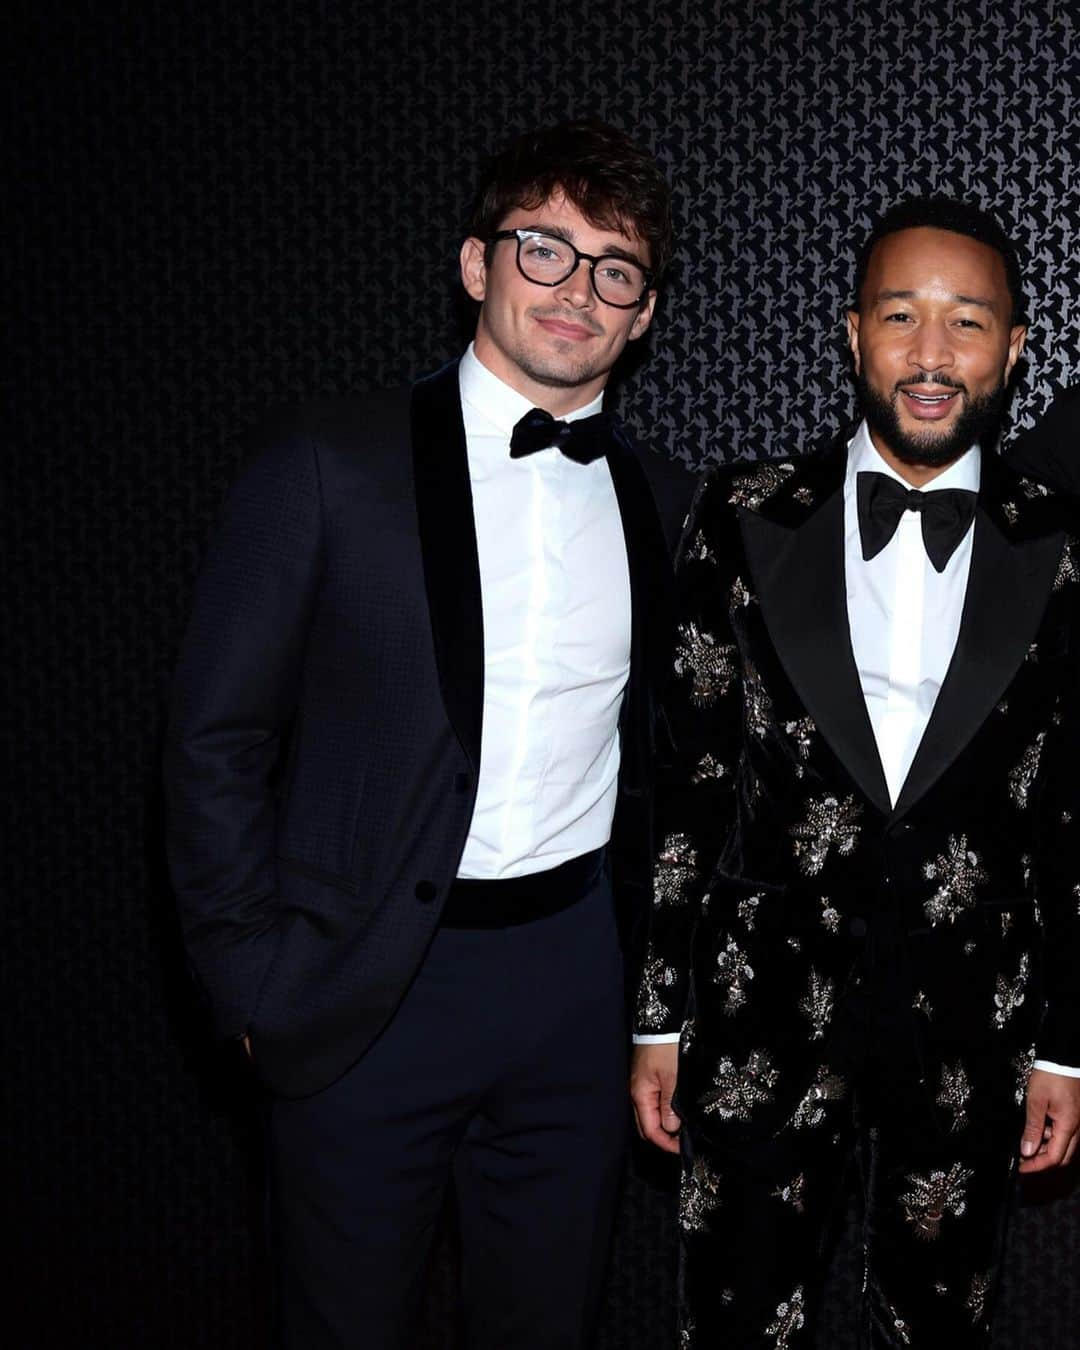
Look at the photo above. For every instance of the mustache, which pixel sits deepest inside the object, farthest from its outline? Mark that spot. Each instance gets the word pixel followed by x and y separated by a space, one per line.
pixel 939 377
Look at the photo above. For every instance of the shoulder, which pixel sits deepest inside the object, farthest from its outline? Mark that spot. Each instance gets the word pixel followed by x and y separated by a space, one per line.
pixel 671 483
pixel 329 422
pixel 301 441
pixel 1024 505
pixel 1050 450
pixel 751 484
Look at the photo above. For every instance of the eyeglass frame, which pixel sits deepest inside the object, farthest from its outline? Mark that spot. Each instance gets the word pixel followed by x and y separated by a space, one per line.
pixel 591 258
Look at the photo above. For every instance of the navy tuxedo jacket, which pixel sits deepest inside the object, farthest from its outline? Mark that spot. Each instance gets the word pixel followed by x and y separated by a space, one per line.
pixel 324 738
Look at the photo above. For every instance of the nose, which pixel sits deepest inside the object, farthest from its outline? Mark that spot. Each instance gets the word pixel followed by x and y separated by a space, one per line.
pixel 577 289
pixel 931 348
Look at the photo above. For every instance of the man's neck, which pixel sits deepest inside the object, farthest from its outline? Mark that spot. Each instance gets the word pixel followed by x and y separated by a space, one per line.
pixel 918 475
pixel 558 400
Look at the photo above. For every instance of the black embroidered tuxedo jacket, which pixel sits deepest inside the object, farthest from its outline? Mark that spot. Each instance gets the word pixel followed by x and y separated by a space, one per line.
pixel 324 740
pixel 778 838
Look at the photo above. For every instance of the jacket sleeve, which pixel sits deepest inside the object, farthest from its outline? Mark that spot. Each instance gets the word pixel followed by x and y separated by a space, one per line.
pixel 233 701
pixel 698 751
pixel 1057 874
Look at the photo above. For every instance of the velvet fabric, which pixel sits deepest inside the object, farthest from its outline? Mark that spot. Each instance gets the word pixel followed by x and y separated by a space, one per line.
pixel 781 855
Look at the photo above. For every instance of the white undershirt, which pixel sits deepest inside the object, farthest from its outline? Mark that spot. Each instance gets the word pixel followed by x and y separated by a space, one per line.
pixel 555 589
pixel 904 619
pixel 904 616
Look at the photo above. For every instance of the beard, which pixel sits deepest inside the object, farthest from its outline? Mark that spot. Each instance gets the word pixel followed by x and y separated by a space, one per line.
pixel 979 421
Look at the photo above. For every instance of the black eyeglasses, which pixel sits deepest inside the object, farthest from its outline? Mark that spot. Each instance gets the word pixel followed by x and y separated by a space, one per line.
pixel 548 260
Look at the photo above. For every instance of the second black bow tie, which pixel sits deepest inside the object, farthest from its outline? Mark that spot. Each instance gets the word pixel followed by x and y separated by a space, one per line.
pixel 583 441
pixel 946 513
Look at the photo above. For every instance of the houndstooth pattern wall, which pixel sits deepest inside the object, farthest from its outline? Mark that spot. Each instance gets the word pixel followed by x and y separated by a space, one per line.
pixel 216 207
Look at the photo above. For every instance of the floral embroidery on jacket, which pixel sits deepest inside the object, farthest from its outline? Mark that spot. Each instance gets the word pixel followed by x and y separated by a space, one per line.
pixel 932 1196
pixel 831 822
pixel 736 1091
pixel 710 665
pixel 957 871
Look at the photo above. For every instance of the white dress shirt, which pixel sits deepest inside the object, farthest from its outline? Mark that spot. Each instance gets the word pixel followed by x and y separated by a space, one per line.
pixel 904 616
pixel 555 588
pixel 904 619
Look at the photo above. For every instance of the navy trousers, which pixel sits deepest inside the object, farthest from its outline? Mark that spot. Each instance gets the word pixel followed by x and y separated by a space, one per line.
pixel 502 1073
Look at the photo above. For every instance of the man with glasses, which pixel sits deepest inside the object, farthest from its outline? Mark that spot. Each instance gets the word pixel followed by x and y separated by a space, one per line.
pixel 408 770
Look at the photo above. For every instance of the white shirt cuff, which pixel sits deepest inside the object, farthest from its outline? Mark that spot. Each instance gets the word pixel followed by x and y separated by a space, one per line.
pixel 668 1038
pixel 1051 1067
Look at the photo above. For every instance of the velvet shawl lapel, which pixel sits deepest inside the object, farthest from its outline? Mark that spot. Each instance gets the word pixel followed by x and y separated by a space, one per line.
pixel 452 571
pixel 444 510
pixel 649 567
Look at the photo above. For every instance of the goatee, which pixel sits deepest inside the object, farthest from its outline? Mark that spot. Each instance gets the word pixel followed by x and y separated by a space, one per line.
pixel 979 422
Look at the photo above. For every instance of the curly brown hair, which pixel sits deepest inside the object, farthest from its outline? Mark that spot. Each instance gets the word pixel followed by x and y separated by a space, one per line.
pixel 613 182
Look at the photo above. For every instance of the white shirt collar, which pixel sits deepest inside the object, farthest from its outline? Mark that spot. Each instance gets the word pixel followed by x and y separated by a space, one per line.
pixel 488 403
pixel 863 456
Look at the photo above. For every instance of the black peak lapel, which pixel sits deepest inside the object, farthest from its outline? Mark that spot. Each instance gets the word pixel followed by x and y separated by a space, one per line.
pixel 448 542
pixel 795 548
pixel 1008 587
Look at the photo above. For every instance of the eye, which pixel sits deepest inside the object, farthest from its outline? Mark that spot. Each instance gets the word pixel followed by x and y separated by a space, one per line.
pixel 898 317
pixel 968 323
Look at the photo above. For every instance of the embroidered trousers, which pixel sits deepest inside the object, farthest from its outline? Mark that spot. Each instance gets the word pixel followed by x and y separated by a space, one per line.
pixel 757 1213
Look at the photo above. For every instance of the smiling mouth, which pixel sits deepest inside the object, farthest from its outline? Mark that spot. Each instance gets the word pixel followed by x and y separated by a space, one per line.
pixel 930 398
pixel 563 326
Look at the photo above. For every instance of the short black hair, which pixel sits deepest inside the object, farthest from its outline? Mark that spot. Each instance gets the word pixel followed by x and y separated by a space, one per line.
pixel 946 213
pixel 613 182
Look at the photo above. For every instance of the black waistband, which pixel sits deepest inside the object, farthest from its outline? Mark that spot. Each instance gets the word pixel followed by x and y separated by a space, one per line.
pixel 513 900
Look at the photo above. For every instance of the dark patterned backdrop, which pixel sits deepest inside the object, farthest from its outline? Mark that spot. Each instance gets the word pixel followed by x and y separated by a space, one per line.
pixel 211 207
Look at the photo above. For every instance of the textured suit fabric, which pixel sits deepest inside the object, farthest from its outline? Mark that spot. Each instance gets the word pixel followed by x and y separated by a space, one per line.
pixel 322 768
pixel 780 846
pixel 325 731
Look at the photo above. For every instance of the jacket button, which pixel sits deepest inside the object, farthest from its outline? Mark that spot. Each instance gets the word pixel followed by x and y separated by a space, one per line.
pixel 425 892
pixel 461 782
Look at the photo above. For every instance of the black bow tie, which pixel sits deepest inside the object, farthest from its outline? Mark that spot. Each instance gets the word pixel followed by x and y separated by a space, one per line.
pixel 583 441
pixel 947 514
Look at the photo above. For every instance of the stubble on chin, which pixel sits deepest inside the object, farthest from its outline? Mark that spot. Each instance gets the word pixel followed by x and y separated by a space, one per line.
pixel 558 372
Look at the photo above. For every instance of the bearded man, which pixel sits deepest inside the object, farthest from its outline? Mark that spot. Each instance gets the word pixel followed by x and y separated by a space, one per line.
pixel 865 922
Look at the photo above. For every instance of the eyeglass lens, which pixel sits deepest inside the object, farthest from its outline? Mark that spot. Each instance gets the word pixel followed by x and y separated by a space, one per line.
pixel 546 259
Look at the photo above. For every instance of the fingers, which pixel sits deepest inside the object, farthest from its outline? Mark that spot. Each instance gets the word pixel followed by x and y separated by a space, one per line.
pixel 652 1085
pixel 1038 1101
pixel 650 1118
pixel 669 1120
pixel 1052 1122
